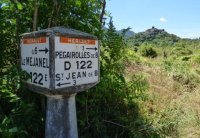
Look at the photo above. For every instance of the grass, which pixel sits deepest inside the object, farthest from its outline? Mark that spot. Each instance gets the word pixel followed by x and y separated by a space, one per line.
pixel 173 103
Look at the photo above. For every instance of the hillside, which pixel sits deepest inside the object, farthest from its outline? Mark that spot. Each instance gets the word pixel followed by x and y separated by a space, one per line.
pixel 154 36
pixel 128 33
pixel 172 75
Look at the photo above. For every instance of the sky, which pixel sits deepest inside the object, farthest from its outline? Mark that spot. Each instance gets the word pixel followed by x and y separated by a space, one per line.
pixel 180 17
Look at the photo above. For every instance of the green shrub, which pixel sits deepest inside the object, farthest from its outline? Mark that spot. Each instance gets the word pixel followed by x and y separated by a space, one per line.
pixel 196 59
pixel 19 112
pixel 180 51
pixel 185 58
pixel 148 51
pixel 111 109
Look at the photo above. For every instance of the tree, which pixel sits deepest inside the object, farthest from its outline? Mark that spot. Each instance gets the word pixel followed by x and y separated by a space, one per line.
pixel 20 115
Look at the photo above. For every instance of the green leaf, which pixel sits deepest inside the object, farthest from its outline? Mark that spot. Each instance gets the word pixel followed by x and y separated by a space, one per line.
pixel 19 6
pixel 13 130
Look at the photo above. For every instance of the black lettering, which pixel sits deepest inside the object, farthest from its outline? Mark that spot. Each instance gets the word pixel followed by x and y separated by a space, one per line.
pixel 77 54
pixel 57 54
pixel 35 75
pixel 30 61
pixel 58 77
pixel 73 55
pixel 36 62
pixel 68 76
pixel 40 62
pixel 47 63
pixel 23 61
pixel 40 76
pixel 90 74
pixel 27 61
pixel 89 62
pixel 73 75
pixel 88 54
pixel 31 76
pixel 79 75
pixel 68 55
pixel 74 82
pixel 45 77
pixel 96 73
pixel 67 65
pixel 96 54
pixel 43 59
pixel 64 54
pixel 82 65
pixel 83 74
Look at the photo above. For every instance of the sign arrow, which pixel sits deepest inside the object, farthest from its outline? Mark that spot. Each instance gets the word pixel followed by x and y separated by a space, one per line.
pixel 60 84
pixel 44 50
pixel 92 48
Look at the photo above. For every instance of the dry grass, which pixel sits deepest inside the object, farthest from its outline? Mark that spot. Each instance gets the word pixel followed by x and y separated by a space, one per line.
pixel 172 107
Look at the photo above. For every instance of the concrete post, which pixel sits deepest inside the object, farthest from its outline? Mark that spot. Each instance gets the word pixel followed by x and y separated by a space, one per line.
pixel 61 119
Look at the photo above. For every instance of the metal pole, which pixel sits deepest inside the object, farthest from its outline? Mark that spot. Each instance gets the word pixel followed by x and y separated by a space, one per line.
pixel 61 119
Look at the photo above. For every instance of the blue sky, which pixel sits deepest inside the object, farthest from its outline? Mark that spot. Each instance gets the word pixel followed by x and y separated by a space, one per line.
pixel 180 17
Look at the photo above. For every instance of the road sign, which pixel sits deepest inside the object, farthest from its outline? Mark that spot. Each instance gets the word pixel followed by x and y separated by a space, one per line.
pixel 76 61
pixel 61 62
pixel 35 60
pixel 59 58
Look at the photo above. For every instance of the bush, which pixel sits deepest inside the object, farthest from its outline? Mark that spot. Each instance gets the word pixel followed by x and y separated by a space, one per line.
pixel 196 59
pixel 20 115
pixel 180 51
pixel 185 58
pixel 148 51
pixel 111 108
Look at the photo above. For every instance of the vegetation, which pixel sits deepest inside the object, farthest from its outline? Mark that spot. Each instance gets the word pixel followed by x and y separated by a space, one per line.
pixel 149 82
pixel 148 51
pixel 173 80
pixel 155 36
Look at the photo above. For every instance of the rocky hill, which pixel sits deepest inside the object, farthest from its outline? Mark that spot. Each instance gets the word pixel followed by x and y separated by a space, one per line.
pixel 155 36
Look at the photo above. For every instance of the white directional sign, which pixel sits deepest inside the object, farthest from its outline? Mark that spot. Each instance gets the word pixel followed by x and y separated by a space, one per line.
pixel 35 60
pixel 76 61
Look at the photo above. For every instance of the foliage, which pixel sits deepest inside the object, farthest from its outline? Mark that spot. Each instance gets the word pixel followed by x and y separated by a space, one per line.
pixel 148 51
pixel 154 36
pixel 180 51
pixel 130 56
pixel 116 107
pixel 18 117
pixel 195 59
pixel 20 110
pixel 111 108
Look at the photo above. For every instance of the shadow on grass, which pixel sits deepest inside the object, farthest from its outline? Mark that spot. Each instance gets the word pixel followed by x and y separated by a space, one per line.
pixel 107 113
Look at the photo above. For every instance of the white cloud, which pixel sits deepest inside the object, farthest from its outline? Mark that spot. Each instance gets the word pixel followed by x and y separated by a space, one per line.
pixel 163 19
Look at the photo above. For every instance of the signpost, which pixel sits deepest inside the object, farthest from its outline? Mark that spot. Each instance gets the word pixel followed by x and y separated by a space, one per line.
pixel 61 62
pixel 76 61
pixel 35 60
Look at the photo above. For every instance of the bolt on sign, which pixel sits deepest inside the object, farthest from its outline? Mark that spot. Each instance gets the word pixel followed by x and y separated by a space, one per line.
pixel 60 60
